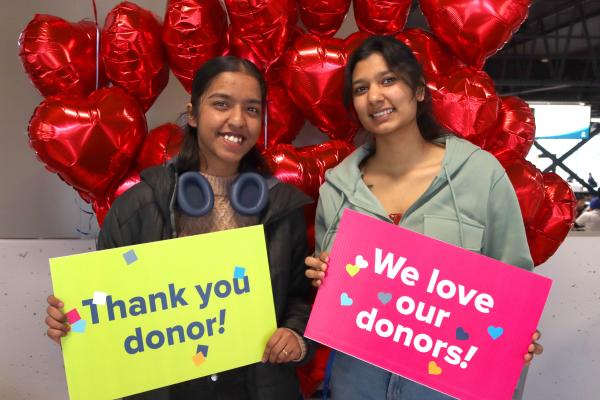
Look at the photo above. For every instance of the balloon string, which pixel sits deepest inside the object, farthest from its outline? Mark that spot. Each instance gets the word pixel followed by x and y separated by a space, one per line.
pixel 97 44
pixel 266 122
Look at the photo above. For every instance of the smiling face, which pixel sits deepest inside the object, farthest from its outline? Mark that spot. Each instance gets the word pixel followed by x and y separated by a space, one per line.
pixel 384 103
pixel 228 121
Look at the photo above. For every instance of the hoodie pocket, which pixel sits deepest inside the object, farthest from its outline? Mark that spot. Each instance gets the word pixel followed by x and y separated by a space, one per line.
pixel 447 230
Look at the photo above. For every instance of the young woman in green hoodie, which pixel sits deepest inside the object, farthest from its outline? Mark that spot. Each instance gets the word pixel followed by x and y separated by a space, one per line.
pixel 415 175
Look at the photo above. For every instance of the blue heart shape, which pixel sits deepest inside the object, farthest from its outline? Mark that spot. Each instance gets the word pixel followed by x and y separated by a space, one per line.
pixel 461 334
pixel 384 298
pixel 495 332
pixel 345 300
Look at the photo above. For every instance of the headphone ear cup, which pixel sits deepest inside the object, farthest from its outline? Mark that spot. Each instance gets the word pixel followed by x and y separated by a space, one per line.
pixel 249 194
pixel 194 194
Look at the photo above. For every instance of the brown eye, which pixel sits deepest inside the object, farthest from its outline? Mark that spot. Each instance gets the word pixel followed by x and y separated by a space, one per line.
pixel 360 90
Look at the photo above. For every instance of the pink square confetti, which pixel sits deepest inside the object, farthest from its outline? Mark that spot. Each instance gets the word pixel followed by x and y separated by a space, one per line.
pixel 73 316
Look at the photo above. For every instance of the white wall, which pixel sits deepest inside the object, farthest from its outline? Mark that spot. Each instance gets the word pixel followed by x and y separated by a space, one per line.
pixel 31 365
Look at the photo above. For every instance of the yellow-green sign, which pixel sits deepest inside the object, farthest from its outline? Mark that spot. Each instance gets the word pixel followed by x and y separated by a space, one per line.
pixel 155 314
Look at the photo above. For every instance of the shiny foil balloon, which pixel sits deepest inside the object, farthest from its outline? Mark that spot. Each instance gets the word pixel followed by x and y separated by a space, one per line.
pixel 264 27
pixel 475 29
pixel 554 219
pixel 323 17
pixel 162 144
pixel 305 167
pixel 194 31
pixel 60 56
pixel 314 75
pixel 514 136
pixel 133 52
pixel 437 60
pixel 528 183
pixel 381 17
pixel 89 142
pixel 102 205
pixel 466 104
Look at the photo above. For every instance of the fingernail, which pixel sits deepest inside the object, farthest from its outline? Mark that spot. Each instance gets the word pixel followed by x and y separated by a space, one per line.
pixel 61 305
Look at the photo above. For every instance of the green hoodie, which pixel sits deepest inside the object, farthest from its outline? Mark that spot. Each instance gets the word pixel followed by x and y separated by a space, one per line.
pixel 471 204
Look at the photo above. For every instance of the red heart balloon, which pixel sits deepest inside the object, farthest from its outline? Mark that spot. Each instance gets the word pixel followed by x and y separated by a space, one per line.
pixel 514 136
pixel 162 144
pixel 554 219
pixel 475 30
pixel 323 17
pixel 305 167
pixel 466 103
pixel 313 71
pixel 265 27
pixel 437 60
pixel 60 56
pixel 194 32
pixel 89 142
pixel 528 183
pixel 381 17
pixel 133 53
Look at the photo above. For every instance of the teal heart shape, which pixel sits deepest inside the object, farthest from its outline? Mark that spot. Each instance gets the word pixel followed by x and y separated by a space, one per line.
pixel 495 331
pixel 384 298
pixel 345 300
pixel 461 334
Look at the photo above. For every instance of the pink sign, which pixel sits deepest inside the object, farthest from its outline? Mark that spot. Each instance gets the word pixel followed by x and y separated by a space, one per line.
pixel 445 317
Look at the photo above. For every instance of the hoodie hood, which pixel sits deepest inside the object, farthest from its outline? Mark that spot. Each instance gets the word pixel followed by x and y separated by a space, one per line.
pixel 346 177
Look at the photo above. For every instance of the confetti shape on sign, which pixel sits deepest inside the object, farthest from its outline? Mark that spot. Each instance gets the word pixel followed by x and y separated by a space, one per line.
pixel 384 298
pixel 79 326
pixel 461 334
pixel 345 300
pixel 360 262
pixel 352 270
pixel 433 368
pixel 72 316
pixel 495 331
pixel 239 273
pixel 130 257
pixel 99 298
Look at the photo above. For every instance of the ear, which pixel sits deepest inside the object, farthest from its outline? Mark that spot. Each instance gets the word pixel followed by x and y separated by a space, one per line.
pixel 420 95
pixel 192 120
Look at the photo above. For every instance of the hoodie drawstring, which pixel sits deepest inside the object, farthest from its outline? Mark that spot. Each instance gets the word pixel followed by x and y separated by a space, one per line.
pixel 334 222
pixel 456 209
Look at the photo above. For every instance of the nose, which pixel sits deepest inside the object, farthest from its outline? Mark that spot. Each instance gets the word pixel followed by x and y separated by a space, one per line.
pixel 374 94
pixel 236 117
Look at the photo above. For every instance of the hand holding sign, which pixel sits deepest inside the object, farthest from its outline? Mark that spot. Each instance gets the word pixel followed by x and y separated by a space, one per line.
pixel 316 268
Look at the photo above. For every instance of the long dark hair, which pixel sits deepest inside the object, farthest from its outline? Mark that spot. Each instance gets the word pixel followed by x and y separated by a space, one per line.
pixel 188 158
pixel 400 60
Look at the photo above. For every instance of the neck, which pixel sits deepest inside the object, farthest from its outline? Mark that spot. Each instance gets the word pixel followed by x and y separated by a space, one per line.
pixel 218 168
pixel 399 151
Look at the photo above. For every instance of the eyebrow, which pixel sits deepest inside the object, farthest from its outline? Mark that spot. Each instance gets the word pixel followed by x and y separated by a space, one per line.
pixel 228 97
pixel 379 75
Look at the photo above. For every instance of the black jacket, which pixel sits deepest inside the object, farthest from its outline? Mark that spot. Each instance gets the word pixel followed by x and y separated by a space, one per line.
pixel 146 213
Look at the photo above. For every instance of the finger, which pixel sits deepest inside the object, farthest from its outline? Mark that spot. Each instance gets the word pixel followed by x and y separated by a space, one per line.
pixel 279 346
pixel 56 314
pixel 324 257
pixel 316 282
pixel 537 335
pixel 54 324
pixel 55 335
pixel 528 357
pixel 53 301
pixel 539 349
pixel 275 338
pixel 312 274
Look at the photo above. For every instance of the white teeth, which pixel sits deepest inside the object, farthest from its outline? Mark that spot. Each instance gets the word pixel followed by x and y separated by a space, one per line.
pixel 382 113
pixel 233 139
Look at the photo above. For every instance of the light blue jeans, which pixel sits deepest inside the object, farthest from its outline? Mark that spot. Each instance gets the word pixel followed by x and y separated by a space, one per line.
pixel 352 379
